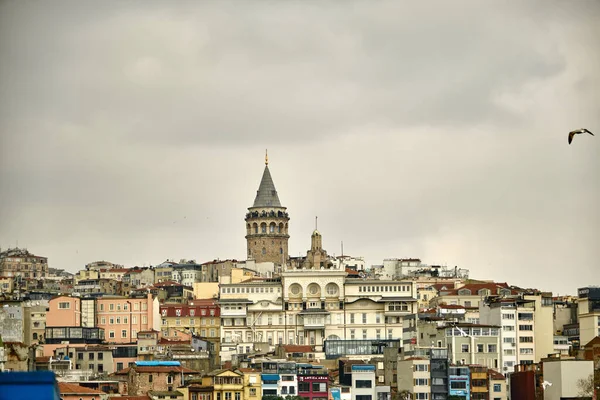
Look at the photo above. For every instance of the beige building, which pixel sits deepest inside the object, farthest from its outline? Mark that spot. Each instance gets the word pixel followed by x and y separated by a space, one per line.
pixel 563 376
pixel 20 262
pixel 414 376
pixel 588 313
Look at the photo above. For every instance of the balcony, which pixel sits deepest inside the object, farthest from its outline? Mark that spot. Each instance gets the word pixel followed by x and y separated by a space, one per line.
pixel 233 312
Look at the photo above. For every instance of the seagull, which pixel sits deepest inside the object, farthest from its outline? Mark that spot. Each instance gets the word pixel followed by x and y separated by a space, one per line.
pixel 578 131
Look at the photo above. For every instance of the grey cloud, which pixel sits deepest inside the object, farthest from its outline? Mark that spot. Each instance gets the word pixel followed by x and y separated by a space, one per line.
pixel 135 131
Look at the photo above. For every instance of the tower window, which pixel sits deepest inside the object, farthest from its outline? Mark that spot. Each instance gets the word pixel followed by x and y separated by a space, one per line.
pixel 264 251
pixel 281 250
pixel 263 228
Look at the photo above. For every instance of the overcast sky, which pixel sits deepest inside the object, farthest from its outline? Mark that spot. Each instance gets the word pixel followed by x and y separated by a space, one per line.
pixel 135 131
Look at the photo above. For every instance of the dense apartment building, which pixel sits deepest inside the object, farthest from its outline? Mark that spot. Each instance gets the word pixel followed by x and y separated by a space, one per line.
pixel 21 263
pixel 201 317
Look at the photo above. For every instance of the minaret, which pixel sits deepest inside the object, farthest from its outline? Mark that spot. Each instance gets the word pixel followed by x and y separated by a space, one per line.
pixel 267 224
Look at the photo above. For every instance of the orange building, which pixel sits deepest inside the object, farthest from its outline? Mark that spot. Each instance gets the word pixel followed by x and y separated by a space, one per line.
pixel 123 317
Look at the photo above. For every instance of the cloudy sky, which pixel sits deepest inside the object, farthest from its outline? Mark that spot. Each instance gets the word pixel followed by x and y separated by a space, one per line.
pixel 135 131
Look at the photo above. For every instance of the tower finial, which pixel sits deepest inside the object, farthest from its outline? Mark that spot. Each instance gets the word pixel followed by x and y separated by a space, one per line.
pixel 266 157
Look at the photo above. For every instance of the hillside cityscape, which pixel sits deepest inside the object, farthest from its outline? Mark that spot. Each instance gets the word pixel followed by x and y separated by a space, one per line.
pixel 276 326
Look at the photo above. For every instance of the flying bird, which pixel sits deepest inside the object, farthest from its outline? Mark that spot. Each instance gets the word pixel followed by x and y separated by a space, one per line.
pixel 578 131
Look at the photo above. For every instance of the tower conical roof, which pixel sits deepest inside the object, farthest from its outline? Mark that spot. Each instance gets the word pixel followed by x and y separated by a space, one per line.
pixel 266 196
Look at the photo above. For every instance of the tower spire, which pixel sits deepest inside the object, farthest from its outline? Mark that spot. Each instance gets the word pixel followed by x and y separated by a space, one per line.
pixel 266 157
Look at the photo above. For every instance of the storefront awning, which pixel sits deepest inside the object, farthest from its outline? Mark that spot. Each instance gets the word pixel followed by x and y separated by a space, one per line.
pixel 270 377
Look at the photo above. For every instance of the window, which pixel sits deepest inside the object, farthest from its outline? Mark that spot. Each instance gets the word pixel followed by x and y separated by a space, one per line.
pixel 64 305
pixel 421 367
pixel 100 356
pixel 479 347
pixel 464 348
pixel 169 379
pixel 497 387
pixel 421 382
pixel 119 366
pixel 123 333
pixel 525 339
pixel 111 334
pixel 525 327
pixel 362 384
pixel 238 396
pixel 227 395
pixel 352 318
pixel 422 396
pixel 150 378
pixel 90 356
pixel 458 385
pixel 492 348
pixel 364 333
pixel 364 318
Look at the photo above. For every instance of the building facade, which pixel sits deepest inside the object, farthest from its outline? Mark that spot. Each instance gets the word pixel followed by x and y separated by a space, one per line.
pixel 20 262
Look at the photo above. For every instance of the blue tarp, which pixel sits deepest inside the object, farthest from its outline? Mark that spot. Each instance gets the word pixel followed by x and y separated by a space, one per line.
pixel 158 363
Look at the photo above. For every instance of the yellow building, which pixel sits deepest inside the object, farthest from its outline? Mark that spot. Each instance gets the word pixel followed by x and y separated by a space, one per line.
pixel 227 384
pixel 252 384
pixel 201 317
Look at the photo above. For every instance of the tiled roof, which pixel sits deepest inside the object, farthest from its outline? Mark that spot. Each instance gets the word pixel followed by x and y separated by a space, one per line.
pixel 593 342
pixel 65 388
pixel 495 375
pixel 291 348
pixel 182 310
pixel 266 196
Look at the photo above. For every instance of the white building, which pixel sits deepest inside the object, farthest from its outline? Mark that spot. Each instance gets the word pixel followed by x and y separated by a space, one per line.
pixel 516 319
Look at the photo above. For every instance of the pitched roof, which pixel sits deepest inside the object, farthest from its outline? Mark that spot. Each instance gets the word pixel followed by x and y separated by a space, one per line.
pixel 595 341
pixel 496 376
pixel 266 196
pixel 65 388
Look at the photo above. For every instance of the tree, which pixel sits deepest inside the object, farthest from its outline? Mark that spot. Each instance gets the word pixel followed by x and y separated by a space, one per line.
pixel 404 395
pixel 586 386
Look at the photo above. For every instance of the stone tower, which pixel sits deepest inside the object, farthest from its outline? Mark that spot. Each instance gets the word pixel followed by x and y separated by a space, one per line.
pixel 267 224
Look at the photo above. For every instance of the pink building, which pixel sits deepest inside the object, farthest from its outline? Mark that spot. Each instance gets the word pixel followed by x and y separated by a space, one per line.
pixel 64 311
pixel 123 317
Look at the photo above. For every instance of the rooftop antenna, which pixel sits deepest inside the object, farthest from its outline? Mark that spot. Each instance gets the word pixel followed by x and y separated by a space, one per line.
pixel 266 157
pixel 342 248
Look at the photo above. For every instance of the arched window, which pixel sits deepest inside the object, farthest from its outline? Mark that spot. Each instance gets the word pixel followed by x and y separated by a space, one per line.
pixel 272 227
pixel 263 227
pixel 255 227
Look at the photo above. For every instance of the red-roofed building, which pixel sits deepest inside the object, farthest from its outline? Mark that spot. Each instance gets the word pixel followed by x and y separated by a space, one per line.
pixel 201 317
pixel 71 391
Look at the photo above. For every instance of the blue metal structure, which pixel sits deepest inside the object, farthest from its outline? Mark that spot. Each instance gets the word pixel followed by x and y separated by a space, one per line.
pixel 38 385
